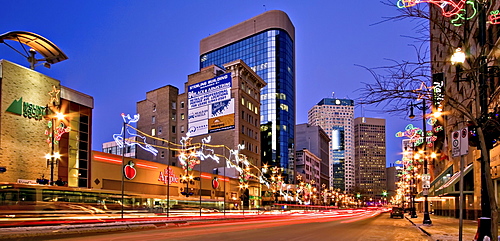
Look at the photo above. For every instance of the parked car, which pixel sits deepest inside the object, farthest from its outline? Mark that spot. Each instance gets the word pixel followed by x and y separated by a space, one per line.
pixel 397 212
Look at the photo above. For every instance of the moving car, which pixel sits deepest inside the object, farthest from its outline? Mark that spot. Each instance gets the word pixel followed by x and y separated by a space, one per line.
pixel 396 211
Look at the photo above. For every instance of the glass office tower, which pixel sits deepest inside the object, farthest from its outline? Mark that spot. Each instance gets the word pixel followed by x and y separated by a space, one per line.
pixel 266 44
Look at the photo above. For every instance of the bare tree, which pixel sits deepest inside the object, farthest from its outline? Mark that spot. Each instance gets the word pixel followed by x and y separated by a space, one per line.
pixel 467 100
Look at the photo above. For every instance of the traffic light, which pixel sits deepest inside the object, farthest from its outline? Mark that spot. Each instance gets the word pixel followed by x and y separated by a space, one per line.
pixel 358 195
pixel 384 193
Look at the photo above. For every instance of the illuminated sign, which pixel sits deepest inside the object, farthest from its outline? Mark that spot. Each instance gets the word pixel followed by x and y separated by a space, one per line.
pixel 168 176
pixel 210 106
pixel 215 183
pixel 437 90
pixel 26 109
pixel 129 170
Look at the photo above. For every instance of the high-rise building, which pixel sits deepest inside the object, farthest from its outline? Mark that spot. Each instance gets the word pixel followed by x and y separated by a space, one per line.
pixel 267 44
pixel 220 106
pixel 370 157
pixel 336 117
pixel 315 139
pixel 159 114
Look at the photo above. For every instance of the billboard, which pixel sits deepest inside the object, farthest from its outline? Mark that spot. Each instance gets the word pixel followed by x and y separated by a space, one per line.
pixel 210 106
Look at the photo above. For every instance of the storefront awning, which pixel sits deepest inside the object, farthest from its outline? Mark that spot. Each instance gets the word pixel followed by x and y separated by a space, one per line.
pixel 448 188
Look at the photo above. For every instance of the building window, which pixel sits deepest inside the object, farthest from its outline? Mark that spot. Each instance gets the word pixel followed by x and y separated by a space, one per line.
pixel 159 130
pixel 154 108
pixel 182 129
pixel 174 105
pixel 182 116
pixel 153 132
pixel 173 129
pixel 182 105
pixel 153 119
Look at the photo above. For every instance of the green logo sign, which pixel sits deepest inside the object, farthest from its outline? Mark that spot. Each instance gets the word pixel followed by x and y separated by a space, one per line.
pixel 26 109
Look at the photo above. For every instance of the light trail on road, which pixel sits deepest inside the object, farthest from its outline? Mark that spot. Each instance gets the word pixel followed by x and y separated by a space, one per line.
pixel 246 225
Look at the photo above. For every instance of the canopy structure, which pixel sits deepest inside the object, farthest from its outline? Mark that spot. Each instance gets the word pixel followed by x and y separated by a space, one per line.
pixel 51 53
pixel 449 189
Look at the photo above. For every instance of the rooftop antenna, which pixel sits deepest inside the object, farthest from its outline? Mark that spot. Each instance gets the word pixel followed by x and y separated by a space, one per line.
pixel 265 9
pixel 333 94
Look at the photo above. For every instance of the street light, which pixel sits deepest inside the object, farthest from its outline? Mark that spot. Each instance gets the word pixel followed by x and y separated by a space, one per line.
pixel 423 107
pixel 243 189
pixel 53 157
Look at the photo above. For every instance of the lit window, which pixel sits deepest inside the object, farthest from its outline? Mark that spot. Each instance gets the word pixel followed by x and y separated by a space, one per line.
pixel 153 132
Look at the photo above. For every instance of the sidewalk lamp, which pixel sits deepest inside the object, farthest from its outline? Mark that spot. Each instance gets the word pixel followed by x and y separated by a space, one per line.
pixel 425 177
pixel 243 196
pixel 54 135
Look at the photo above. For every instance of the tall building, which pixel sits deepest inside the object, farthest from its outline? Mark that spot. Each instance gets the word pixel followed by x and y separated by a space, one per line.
pixel 315 139
pixel 219 107
pixel 336 117
pixel 159 114
pixel 267 44
pixel 370 157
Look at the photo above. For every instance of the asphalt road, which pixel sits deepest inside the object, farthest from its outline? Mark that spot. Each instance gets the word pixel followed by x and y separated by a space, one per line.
pixel 303 227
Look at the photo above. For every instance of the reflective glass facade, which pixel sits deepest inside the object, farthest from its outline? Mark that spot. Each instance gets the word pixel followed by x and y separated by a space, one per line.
pixel 271 55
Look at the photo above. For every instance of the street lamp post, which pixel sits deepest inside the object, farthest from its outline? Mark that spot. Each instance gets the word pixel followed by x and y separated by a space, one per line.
pixel 53 157
pixel 427 218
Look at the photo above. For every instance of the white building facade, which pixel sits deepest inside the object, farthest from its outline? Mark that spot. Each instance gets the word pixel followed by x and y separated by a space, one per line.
pixel 336 117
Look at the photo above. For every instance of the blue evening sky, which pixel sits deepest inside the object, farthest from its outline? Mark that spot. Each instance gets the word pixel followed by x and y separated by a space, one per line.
pixel 120 49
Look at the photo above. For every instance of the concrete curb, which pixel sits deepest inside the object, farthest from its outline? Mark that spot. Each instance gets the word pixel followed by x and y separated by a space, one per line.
pixel 30 233
pixel 421 229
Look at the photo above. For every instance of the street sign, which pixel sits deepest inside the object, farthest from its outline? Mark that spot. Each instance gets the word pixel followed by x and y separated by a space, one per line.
pixel 460 142
pixel 455 143
pixel 464 141
pixel 426 181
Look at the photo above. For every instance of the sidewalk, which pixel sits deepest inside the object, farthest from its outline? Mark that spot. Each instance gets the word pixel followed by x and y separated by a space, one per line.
pixel 445 228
